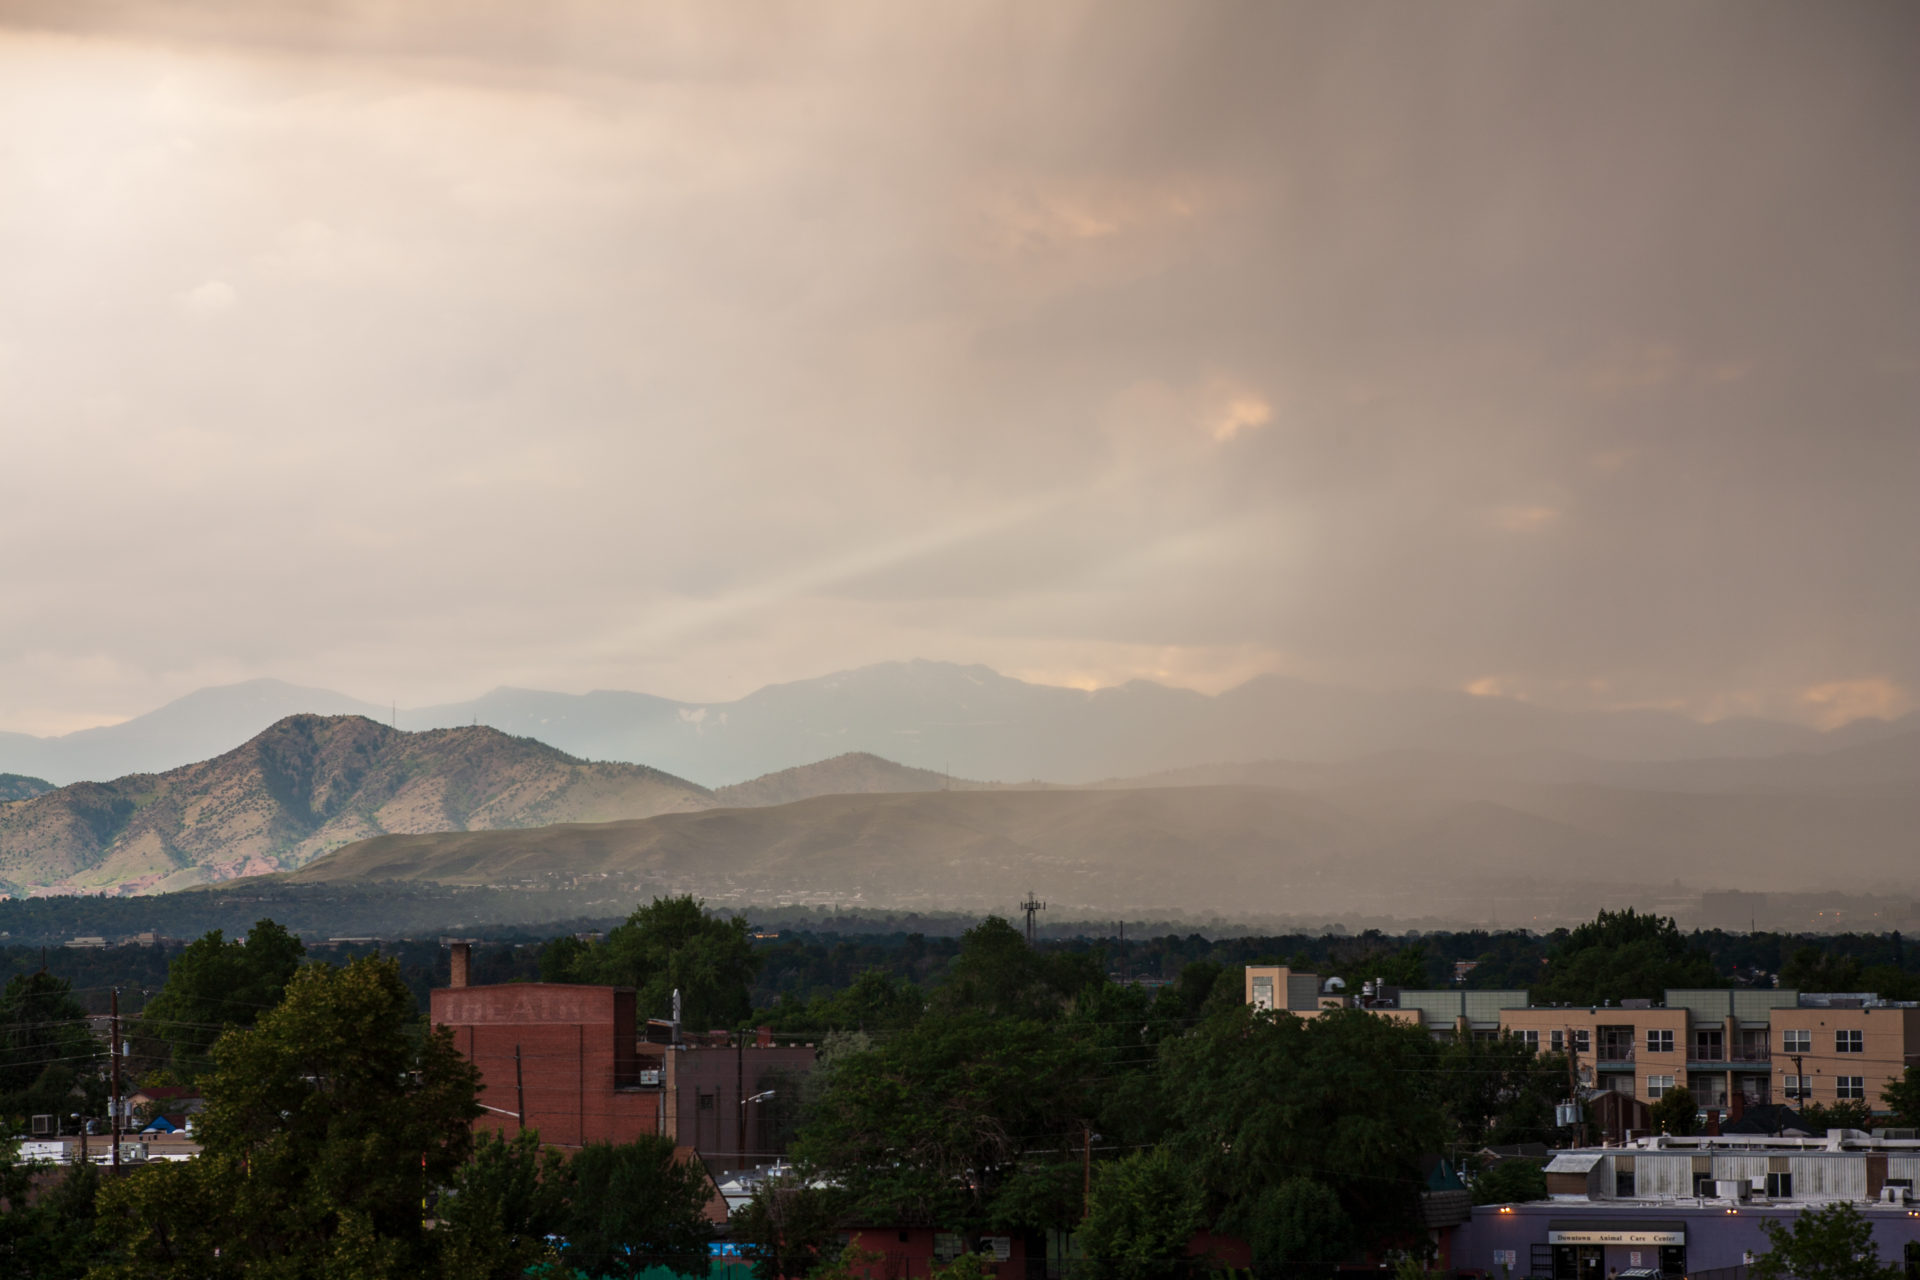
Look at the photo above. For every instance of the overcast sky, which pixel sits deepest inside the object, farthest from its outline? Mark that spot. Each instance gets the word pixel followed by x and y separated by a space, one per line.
pixel 1562 350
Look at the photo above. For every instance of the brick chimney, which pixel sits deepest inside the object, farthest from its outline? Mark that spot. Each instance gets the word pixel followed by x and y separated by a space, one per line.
pixel 462 964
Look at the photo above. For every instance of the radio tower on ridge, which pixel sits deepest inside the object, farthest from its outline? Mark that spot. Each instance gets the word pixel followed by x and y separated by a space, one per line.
pixel 1030 906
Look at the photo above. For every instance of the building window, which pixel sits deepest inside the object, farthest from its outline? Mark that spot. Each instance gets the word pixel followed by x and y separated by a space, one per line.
pixel 706 1101
pixel 1709 1046
pixel 1659 1040
pixel 1845 1087
pixel 1557 1041
pixel 1797 1086
pixel 1659 1086
pixel 1798 1041
pixel 1849 1042
pixel 1263 993
pixel 1780 1186
pixel 1531 1039
pixel 1582 1040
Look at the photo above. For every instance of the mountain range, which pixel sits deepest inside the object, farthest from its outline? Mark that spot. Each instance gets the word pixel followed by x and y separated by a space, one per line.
pixel 949 719
pixel 1415 833
pixel 309 784
pixel 1415 848
pixel 306 785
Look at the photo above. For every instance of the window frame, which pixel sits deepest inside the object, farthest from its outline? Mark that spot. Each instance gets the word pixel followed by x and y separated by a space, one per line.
pixel 1659 1039
pixel 1658 1086
pixel 1849 1040
pixel 1850 1088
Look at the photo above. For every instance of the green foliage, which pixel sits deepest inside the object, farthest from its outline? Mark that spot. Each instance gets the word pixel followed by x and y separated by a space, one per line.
pixel 504 1202
pixel 1510 1182
pixel 171 1222
pixel 968 1266
pixel 325 1126
pixel 1298 1220
pixel 45 1046
pixel 1816 969
pixel 215 984
pixel 669 944
pixel 997 973
pixel 1902 1098
pixel 1500 1091
pixel 1675 1112
pixel 875 1001
pixel 954 1125
pixel 1143 1215
pixel 634 1207
pixel 1621 955
pixel 851 1263
pixel 791 1228
pixel 1344 1100
pixel 48 1239
pixel 1402 967
pixel 1848 1113
pixel 1834 1243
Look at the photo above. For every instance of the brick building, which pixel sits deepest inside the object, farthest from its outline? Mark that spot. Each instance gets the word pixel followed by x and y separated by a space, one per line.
pixel 574 1062
pixel 558 1058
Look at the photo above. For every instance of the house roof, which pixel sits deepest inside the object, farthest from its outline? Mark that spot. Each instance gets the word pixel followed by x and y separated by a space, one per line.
pixel 1574 1162
pixel 1769 1118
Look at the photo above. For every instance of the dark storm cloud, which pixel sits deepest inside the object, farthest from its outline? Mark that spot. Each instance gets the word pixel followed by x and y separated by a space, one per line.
pixel 1561 350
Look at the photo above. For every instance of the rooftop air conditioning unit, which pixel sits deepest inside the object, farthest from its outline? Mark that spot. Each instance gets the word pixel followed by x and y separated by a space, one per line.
pixel 1896 1195
pixel 44 1127
pixel 1732 1189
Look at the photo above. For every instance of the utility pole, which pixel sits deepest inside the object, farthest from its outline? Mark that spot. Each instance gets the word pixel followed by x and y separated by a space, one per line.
pixel 1030 906
pixel 740 1091
pixel 519 1092
pixel 1086 1168
pixel 113 1047
pixel 1573 1084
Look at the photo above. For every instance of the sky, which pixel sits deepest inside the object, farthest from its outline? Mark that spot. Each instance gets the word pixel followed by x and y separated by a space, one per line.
pixel 1567 352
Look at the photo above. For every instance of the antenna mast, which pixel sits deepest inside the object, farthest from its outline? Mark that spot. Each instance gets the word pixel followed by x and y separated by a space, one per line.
pixel 1030 906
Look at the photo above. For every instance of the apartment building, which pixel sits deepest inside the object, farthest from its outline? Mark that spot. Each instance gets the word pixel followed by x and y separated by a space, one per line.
pixel 1732 1049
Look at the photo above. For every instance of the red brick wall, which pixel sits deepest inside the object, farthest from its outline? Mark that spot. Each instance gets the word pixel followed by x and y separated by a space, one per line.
pixel 578 1067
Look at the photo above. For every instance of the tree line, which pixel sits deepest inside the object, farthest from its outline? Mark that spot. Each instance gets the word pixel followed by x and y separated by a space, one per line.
pixel 1005 1089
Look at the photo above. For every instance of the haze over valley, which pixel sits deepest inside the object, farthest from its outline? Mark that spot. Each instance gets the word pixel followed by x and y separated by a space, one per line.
pixel 1448 461
pixel 1421 826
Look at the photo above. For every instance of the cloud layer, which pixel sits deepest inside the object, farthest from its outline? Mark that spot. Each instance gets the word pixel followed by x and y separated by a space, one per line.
pixel 1567 352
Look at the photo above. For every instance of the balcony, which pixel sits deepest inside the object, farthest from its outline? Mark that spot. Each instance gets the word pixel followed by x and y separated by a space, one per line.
pixel 1758 1057
pixel 1614 1057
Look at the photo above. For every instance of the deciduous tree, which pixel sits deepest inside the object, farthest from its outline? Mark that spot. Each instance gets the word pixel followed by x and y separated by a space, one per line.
pixel 1834 1243
pixel 1141 1222
pixel 672 944
pixel 1344 1100
pixel 325 1126
pixel 218 983
pixel 1902 1097
pixel 633 1207
pixel 1675 1112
